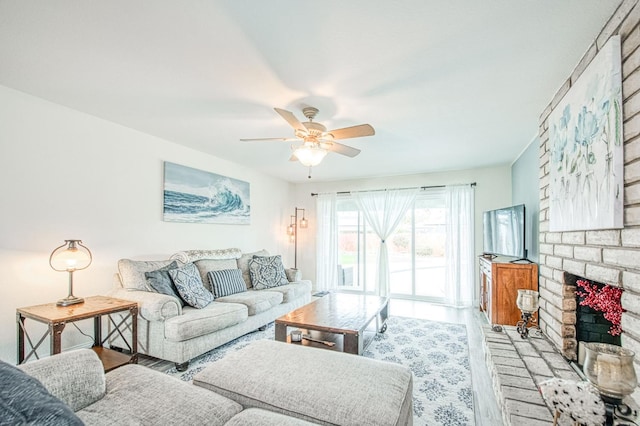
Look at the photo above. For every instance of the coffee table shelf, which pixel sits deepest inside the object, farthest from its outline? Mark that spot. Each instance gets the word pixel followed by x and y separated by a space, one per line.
pixel 345 319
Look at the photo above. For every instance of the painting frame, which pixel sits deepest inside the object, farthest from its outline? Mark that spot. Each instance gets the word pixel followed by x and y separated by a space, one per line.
pixel 196 196
pixel 586 148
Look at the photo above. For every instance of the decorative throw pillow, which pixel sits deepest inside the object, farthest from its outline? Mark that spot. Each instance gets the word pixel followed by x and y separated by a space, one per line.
pixel 189 284
pixel 226 281
pixel 25 401
pixel 132 272
pixel 243 264
pixel 267 272
pixel 161 282
pixel 206 265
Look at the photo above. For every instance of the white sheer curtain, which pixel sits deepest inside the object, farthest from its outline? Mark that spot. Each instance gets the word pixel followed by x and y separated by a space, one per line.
pixel 459 273
pixel 383 211
pixel 327 242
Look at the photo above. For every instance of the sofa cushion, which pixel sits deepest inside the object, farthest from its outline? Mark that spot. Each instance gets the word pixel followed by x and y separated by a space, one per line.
pixel 293 291
pixel 199 322
pixel 193 255
pixel 132 272
pixel 25 401
pixel 255 301
pixel 243 264
pixel 140 396
pixel 347 390
pixel 161 282
pixel 256 416
pixel 189 284
pixel 59 374
pixel 206 265
pixel 226 282
pixel 267 272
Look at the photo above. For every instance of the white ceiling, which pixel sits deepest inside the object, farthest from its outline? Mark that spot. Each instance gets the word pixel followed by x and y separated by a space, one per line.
pixel 446 84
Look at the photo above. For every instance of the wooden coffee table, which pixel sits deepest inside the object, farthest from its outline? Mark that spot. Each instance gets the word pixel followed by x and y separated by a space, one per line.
pixel 339 318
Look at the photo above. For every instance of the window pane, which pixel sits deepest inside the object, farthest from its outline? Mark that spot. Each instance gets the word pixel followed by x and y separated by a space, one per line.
pixel 400 249
pixel 430 245
pixel 348 246
pixel 357 249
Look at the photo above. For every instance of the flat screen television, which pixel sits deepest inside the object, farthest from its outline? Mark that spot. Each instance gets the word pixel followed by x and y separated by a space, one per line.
pixel 503 231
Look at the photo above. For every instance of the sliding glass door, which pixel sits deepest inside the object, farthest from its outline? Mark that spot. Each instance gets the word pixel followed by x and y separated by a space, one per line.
pixel 416 250
pixel 358 249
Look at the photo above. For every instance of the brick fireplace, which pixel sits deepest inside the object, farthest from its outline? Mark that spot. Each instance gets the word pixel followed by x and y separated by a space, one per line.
pixel 609 256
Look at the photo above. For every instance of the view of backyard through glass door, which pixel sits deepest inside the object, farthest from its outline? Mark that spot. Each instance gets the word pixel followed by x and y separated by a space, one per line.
pixel 416 250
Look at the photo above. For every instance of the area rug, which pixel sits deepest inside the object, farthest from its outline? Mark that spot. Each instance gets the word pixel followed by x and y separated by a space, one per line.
pixel 436 352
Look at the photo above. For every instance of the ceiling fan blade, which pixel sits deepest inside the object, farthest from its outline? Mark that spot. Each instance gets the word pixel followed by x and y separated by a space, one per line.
pixel 339 148
pixel 353 132
pixel 291 119
pixel 270 139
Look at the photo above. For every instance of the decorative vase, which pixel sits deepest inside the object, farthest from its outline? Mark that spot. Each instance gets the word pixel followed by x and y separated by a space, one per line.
pixel 610 369
pixel 528 300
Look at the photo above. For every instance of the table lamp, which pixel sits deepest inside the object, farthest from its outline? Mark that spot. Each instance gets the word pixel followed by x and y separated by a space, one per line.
pixel 71 256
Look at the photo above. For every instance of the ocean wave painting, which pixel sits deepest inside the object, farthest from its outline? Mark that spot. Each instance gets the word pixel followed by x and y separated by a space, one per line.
pixel 196 196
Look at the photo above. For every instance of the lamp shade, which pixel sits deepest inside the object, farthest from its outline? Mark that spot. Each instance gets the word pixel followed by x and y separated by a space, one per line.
pixel 310 155
pixel 71 256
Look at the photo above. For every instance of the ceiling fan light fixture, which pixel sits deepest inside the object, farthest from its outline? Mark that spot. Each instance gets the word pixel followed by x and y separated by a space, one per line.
pixel 317 140
pixel 310 155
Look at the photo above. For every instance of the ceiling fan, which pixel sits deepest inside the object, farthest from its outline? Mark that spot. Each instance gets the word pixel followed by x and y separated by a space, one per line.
pixel 317 141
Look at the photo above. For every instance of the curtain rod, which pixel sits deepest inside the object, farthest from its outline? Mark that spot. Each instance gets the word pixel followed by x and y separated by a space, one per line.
pixel 315 194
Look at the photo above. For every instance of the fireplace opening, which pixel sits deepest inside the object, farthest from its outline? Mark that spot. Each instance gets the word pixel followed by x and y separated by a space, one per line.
pixel 591 324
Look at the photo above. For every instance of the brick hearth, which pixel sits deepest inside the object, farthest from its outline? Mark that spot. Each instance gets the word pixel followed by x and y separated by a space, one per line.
pixel 517 366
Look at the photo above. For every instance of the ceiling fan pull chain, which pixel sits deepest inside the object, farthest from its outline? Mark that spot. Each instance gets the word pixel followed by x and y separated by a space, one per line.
pixel 309 172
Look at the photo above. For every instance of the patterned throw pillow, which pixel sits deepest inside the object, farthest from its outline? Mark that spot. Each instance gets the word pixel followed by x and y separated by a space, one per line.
pixel 189 284
pixel 243 264
pixel 267 272
pixel 226 281
pixel 161 282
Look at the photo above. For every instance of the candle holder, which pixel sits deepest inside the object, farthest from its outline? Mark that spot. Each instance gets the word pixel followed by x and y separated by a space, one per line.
pixel 610 369
pixel 528 303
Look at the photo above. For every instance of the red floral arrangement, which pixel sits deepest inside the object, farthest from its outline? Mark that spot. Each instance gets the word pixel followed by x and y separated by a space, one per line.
pixel 605 299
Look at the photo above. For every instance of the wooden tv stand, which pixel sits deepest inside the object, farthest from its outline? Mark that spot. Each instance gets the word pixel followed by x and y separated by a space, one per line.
pixel 500 281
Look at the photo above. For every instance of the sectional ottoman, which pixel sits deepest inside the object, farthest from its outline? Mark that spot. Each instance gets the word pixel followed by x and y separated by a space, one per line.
pixel 313 384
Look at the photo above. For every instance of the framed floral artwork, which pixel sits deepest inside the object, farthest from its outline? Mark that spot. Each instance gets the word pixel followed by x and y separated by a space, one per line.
pixel 192 195
pixel 586 152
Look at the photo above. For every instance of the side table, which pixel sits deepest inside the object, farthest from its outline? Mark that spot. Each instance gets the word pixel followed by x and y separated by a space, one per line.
pixel 94 307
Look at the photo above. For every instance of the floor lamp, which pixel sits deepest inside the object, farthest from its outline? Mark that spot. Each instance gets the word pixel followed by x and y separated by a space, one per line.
pixel 292 230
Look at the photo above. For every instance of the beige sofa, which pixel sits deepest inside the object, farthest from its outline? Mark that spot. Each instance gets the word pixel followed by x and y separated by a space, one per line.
pixel 170 331
pixel 265 383
pixel 129 395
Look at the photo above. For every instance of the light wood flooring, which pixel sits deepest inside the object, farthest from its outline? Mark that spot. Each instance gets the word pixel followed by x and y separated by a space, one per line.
pixel 486 408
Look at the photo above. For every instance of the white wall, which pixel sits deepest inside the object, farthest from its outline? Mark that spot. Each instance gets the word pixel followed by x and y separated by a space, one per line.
pixel 65 174
pixel 493 190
